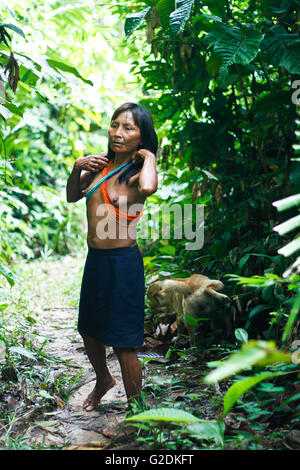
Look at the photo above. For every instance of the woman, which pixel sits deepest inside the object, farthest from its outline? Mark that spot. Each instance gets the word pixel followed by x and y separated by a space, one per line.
pixel 111 309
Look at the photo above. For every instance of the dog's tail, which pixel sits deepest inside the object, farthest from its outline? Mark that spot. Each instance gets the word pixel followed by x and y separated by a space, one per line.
pixel 213 286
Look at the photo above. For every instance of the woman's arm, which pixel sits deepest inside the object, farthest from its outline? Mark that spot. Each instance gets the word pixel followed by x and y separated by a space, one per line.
pixel 79 179
pixel 147 177
pixel 73 185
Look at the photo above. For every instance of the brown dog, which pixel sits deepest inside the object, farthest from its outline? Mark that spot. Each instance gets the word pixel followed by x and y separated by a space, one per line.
pixel 196 296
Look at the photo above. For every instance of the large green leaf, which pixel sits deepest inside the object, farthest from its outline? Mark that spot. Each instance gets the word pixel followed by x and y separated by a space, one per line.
pixel 239 388
pixel 290 248
pixel 16 29
pixel 179 17
pixel 134 20
pixel 67 68
pixel 4 271
pixel 208 430
pixel 235 45
pixel 252 353
pixel 22 351
pixel 151 3
pixel 287 203
pixel 217 7
pixel 283 48
pixel 241 335
pixel 164 10
pixel 165 414
pixel 13 108
pixel 287 226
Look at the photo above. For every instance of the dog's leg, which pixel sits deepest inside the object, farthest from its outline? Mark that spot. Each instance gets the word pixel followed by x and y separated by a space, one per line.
pixel 177 325
pixel 190 329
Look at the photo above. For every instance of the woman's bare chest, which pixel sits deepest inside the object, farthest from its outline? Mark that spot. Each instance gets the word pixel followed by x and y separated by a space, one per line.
pixel 113 192
pixel 119 193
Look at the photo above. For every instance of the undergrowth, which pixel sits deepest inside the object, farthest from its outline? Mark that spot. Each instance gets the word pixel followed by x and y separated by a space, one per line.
pixel 260 419
pixel 33 382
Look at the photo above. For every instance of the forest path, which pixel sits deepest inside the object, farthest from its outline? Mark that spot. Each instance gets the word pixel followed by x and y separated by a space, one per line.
pixel 58 286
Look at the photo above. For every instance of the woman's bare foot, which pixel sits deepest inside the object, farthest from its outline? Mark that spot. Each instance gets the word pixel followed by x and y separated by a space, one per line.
pixel 100 389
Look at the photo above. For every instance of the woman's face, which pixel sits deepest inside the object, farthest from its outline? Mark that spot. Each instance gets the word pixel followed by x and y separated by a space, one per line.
pixel 124 135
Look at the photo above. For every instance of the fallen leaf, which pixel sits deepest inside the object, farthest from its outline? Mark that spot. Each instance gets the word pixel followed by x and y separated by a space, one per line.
pixel 59 401
pixel 50 426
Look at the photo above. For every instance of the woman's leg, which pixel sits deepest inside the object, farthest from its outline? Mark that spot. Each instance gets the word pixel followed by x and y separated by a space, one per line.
pixel 131 372
pixel 132 379
pixel 104 381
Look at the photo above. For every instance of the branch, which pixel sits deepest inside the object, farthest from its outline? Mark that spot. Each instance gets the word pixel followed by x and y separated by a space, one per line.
pixel 230 15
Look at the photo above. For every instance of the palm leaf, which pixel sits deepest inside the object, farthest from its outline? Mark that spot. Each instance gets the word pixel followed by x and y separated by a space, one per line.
pixel 292 317
pixel 290 249
pixel 287 226
pixel 287 203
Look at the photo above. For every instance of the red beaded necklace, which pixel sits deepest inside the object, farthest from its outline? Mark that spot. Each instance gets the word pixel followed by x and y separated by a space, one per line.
pixel 112 210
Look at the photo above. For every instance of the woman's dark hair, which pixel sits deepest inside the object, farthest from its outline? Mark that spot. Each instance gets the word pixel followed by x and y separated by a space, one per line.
pixel 143 119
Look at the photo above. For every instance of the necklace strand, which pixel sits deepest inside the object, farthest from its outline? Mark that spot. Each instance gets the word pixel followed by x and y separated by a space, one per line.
pixel 117 213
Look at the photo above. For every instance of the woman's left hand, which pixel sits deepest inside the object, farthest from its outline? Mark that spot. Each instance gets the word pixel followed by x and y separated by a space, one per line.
pixel 140 155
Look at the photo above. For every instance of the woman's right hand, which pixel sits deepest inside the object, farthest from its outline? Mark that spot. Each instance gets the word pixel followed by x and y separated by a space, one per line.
pixel 93 163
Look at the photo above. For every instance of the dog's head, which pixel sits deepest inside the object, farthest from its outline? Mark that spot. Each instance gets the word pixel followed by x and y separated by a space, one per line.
pixel 156 296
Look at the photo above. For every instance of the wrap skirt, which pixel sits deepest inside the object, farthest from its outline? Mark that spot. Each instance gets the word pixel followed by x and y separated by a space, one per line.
pixel 112 296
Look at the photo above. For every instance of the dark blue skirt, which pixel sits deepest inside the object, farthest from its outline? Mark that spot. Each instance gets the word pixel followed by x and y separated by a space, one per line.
pixel 112 296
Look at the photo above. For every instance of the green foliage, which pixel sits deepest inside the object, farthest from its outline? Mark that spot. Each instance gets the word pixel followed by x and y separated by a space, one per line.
pixel 208 431
pixel 235 45
pixel 217 79
pixel 164 414
pixel 236 390
pixel 4 271
pixel 283 48
pixel 134 20
pixel 241 335
pixel 50 117
pixel 288 250
pixel 180 15
pixel 259 353
pixel 197 428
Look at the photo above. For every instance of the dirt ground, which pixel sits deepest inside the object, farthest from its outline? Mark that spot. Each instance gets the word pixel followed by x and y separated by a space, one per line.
pixel 70 426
